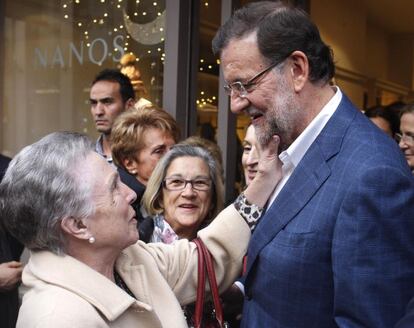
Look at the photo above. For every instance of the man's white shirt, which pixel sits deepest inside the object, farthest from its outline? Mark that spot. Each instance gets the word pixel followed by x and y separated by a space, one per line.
pixel 294 154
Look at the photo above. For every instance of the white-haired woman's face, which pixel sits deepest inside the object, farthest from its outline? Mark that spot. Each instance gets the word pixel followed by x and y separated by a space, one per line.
pixel 186 205
pixel 114 224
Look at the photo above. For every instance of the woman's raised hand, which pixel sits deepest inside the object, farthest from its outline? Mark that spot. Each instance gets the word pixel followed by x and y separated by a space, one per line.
pixel 268 175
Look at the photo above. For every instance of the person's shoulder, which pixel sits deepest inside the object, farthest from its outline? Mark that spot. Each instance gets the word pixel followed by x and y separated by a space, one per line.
pixel 53 306
pixel 158 256
pixel 140 252
pixel 363 148
pixel 370 140
pixel 4 159
pixel 4 163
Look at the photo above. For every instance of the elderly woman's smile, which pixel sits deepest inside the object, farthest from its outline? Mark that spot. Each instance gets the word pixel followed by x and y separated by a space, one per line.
pixel 188 206
pixel 187 194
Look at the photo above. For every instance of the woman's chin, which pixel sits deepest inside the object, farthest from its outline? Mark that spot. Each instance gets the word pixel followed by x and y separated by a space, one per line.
pixel 186 226
pixel 133 239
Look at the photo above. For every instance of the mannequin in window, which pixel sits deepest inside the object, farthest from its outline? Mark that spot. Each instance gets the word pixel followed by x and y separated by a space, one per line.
pixel 129 68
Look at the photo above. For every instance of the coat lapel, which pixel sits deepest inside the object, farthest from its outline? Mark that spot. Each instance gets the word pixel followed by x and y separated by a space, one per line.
pixel 136 279
pixel 307 178
pixel 76 277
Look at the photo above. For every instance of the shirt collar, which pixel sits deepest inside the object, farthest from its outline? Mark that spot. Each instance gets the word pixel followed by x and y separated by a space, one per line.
pixel 99 146
pixel 294 154
pixel 99 149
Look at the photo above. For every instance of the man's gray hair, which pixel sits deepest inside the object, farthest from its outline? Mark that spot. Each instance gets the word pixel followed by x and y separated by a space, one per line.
pixel 281 29
pixel 409 108
pixel 42 186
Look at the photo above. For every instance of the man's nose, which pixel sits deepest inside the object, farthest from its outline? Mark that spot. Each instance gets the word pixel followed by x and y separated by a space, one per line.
pixel 98 109
pixel 402 144
pixel 253 157
pixel 238 104
pixel 188 190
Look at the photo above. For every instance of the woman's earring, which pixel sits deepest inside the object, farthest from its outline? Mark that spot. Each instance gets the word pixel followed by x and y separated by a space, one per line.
pixel 91 240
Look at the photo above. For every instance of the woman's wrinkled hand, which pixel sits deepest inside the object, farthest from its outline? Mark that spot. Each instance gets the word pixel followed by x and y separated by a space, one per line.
pixel 268 175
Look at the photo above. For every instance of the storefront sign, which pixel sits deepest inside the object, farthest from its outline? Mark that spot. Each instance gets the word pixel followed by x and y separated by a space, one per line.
pixel 64 56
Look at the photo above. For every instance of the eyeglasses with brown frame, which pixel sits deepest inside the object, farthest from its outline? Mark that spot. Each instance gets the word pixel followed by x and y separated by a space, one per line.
pixel 409 139
pixel 240 89
pixel 178 184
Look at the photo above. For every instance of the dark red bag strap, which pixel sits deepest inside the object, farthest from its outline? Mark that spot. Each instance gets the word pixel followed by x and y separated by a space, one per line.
pixel 211 274
pixel 201 285
pixel 212 280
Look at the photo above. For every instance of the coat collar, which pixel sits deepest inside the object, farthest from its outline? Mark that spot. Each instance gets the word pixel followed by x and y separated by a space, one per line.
pixel 311 172
pixel 68 273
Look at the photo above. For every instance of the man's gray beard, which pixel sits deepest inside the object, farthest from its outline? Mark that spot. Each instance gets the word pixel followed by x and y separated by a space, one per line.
pixel 266 133
pixel 280 123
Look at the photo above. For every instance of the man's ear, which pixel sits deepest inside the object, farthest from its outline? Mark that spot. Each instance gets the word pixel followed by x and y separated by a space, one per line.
pixel 75 227
pixel 299 70
pixel 130 165
pixel 129 103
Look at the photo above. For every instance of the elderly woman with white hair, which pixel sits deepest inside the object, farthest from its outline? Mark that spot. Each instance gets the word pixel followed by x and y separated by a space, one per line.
pixel 69 207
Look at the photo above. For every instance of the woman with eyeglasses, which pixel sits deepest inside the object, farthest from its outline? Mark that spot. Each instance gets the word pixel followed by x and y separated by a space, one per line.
pixel 183 194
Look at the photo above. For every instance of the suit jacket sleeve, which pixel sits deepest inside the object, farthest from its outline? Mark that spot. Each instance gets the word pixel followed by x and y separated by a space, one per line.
pixel 373 248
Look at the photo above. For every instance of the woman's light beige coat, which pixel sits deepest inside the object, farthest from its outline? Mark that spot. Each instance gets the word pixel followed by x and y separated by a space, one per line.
pixel 67 293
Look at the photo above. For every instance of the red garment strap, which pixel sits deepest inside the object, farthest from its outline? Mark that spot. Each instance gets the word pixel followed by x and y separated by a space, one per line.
pixel 244 265
pixel 213 284
pixel 205 262
pixel 201 283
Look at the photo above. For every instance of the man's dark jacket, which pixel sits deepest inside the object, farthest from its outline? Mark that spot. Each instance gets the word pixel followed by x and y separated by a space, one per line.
pixel 10 250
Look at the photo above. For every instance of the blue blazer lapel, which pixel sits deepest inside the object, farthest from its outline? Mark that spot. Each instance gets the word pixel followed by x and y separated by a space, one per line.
pixel 307 178
pixel 302 185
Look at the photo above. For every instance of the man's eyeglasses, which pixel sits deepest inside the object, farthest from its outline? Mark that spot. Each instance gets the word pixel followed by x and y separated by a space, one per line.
pixel 240 89
pixel 409 139
pixel 176 184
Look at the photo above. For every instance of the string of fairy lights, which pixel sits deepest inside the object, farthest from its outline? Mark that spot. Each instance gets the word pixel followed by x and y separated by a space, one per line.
pixel 111 13
pixel 92 17
pixel 203 99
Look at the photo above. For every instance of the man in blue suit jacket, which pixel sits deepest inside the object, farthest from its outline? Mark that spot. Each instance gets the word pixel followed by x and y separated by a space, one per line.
pixel 335 247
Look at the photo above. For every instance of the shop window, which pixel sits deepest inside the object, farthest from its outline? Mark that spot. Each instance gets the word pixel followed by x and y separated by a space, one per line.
pixel 208 71
pixel 53 50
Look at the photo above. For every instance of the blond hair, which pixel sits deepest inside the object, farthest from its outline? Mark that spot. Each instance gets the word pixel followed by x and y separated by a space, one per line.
pixel 129 128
